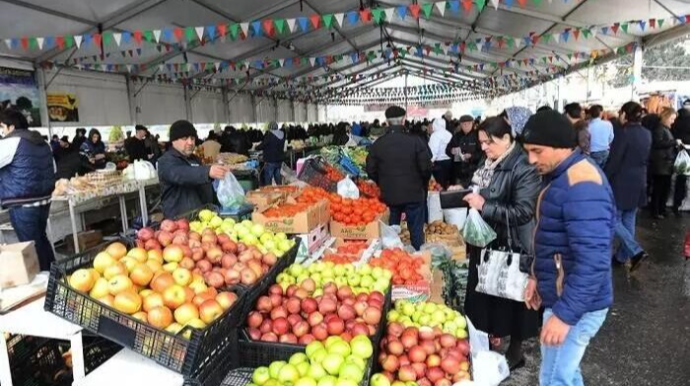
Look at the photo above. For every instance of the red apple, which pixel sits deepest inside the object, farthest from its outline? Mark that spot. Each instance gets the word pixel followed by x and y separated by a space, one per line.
pixel 448 340
pixel 288 338
pixel 264 304
pixel 254 333
pixel 450 364
pixel 300 329
pixel 396 329
pixel 275 289
pixel 306 339
pixel 335 326
pixel 293 305
pixel 407 374
pixel 417 354
pixel 346 312
pixel 395 347
pixel 269 337
pixel 433 360
pixel 434 374
pixel 254 319
pixel 266 326
pixel 390 363
pixel 320 332
pixel 372 316
pixel 278 312
pixel 315 318
pixel 327 306
pixel 309 306
pixel 280 326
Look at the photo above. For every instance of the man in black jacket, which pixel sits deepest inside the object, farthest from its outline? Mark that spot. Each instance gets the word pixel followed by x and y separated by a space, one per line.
pixel 185 182
pixel 400 164
pixel 464 149
pixel 136 146
pixel 273 146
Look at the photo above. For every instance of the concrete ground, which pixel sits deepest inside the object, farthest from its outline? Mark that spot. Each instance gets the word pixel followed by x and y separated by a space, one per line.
pixel 645 340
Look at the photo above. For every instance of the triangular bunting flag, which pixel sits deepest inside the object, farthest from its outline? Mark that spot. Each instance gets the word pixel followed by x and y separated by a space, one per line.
pixel 467 5
pixel 303 23
pixel 78 40
pixel 624 26
pixel 234 30
pixel 39 41
pixel 556 38
pixel 268 26
pixel 426 9
pixel 312 61
pixel 245 29
pixel 494 3
pixel 190 34
pixel 377 14
pixel 199 32
pixel 389 14
pixel 327 20
pixel 402 12
pixel 480 4
pixel 118 38
pixel 9 43
pixel 339 18
pixel 256 26
pixel 291 24
pixel 157 35
pixel 660 22
pixel 281 62
pixel 315 21
pixel 414 10
pixel 441 7
pixel 280 25
pixel 352 17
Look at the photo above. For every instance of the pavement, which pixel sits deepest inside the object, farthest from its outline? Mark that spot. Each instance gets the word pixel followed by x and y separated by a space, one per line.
pixel 645 340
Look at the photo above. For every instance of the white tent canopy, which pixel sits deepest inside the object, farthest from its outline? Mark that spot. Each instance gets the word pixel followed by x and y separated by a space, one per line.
pixel 488 47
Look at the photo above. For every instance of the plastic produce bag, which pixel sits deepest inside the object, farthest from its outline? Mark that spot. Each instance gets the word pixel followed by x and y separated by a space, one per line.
pixel 348 189
pixel 230 193
pixel 434 206
pixel 144 170
pixel 682 164
pixel 456 216
pixel 390 236
pixel 476 231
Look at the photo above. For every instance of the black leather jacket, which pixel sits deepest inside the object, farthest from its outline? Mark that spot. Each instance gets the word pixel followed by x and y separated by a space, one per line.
pixel 513 192
pixel 663 153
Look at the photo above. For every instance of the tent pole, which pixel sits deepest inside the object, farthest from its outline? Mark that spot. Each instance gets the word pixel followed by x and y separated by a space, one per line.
pixel 43 91
pixel 638 60
pixel 405 91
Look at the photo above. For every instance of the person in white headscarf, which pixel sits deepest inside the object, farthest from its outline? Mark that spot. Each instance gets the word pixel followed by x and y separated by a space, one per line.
pixel 443 165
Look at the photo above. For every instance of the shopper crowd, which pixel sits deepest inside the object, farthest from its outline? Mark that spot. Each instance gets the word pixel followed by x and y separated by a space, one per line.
pixel 559 187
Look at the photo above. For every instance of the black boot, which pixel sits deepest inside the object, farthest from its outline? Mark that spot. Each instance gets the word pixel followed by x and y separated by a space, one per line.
pixel 514 355
pixel 637 260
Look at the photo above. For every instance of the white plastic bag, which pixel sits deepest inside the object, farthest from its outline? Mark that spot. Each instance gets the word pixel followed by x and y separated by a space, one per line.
pixel 230 193
pixel 144 170
pixel 434 206
pixel 348 189
pixel 489 368
pixel 476 231
pixel 390 236
pixel 455 216
pixel 682 164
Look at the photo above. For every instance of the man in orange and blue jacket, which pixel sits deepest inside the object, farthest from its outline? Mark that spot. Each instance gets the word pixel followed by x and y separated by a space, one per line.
pixel 571 275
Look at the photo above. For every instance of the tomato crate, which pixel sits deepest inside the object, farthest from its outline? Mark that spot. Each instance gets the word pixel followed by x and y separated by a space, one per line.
pixel 314 173
pixel 182 352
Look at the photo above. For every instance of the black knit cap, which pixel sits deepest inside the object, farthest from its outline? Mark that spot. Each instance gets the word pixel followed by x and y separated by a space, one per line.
pixel 395 112
pixel 466 118
pixel 549 128
pixel 182 129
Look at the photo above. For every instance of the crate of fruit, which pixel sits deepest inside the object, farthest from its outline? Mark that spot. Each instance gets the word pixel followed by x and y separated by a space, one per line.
pixel 168 314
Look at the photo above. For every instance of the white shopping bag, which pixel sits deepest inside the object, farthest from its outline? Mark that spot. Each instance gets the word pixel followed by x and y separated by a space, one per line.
pixel 434 206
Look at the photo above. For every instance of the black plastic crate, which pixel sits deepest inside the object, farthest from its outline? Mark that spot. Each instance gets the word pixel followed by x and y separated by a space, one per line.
pixel 173 351
pixel 313 172
pixel 262 349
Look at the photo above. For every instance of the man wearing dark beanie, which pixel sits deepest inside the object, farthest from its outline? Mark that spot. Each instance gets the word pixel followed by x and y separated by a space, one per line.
pixel 571 272
pixel 185 182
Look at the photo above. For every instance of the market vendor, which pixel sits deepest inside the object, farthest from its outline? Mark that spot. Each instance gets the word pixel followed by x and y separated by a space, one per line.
pixel 465 150
pixel 185 182
pixel 136 146
pixel 27 180
pixel 93 149
pixel 400 164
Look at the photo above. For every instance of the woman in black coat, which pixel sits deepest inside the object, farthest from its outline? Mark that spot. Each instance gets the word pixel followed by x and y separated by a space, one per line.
pixel 509 186
pixel 661 162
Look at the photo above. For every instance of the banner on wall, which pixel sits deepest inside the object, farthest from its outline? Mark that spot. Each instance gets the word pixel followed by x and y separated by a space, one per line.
pixel 18 88
pixel 63 107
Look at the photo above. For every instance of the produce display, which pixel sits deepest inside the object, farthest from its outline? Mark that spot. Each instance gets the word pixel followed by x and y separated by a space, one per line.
pixel 286 210
pixel 356 155
pixel 361 211
pixel 363 279
pixel 333 363
pixel 428 314
pixel 302 314
pixel 423 355
pixel 137 283
pixel 439 227
pixel 214 254
pixel 231 158
pixel 407 269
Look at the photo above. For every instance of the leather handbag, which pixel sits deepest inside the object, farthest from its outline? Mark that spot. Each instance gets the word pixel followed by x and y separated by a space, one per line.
pixel 499 270
pixel 454 199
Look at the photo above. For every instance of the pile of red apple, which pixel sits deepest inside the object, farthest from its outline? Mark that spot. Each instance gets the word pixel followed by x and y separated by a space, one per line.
pixel 424 355
pixel 216 257
pixel 303 314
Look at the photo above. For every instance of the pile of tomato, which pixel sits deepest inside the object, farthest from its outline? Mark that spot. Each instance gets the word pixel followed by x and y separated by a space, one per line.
pixel 279 189
pixel 286 210
pixel 407 269
pixel 369 189
pixel 350 252
pixel 312 195
pixel 334 174
pixel 358 212
pixel 354 247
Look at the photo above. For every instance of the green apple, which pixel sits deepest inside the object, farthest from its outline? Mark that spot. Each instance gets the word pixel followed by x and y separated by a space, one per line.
pixel 298 358
pixel 261 375
pixel 351 371
pixel 367 282
pixel 398 383
pixel 377 272
pixel 285 245
pixel 345 382
pixel 216 222
pixel 341 348
pixel 429 308
pixel 274 368
pixel 461 333
pixel 364 269
pixel 268 244
pixel 349 268
pixel 424 320
pixel 461 322
pixel 331 340
pixel 318 292
pixel 273 382
pixel 411 383
pixel 258 230
pixel 361 363
pixel 328 273
pixel 247 223
pixel 319 355
pixel 341 281
pixel 408 309
pixel 288 374
pixel 303 368
pixel 296 270
pixel 265 237
pixel 306 381
pixel 362 347
pixel 328 380
pixel 312 348
pixel 281 236
pixel 379 380
pixel 332 362
pixel 399 305
pixel 438 316
pixel 353 280
pixel 206 215
pixel 393 315
pixel 339 270
pixel 316 371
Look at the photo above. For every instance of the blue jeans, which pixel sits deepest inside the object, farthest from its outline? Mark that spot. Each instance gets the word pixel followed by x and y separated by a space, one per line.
pixel 415 216
pixel 600 157
pixel 560 365
pixel 271 172
pixel 625 231
pixel 29 224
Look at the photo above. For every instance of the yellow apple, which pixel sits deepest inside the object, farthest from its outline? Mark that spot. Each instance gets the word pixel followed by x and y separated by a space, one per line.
pixel 100 289
pixel 170 267
pixel 119 284
pixel 102 261
pixel 115 270
pixel 82 280
pixel 182 277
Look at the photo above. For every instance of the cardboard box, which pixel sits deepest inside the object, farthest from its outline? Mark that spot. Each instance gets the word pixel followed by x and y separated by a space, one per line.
pixel 355 232
pixel 86 239
pixel 454 243
pixel 263 200
pixel 303 222
pixel 420 292
pixel 437 284
pixel 18 264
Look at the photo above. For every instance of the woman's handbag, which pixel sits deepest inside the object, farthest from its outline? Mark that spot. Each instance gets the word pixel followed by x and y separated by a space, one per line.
pixel 499 271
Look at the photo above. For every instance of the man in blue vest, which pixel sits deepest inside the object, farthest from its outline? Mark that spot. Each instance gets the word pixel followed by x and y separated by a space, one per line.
pixel 27 180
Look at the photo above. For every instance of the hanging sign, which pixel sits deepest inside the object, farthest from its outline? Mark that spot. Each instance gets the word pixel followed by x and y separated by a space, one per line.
pixel 63 107
pixel 18 89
